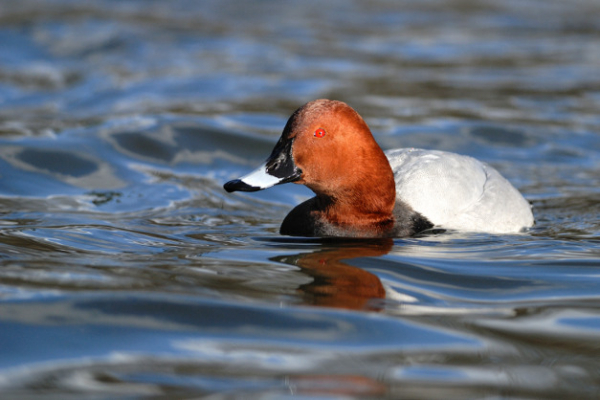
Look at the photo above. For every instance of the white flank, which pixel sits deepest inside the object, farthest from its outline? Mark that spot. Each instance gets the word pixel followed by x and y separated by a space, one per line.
pixel 458 192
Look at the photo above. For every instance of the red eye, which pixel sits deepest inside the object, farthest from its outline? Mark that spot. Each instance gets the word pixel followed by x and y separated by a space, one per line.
pixel 319 133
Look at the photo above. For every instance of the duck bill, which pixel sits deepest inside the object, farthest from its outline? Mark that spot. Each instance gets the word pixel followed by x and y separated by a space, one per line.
pixel 259 179
pixel 279 168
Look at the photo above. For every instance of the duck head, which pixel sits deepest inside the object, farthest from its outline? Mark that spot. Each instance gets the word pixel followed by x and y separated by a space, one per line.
pixel 328 147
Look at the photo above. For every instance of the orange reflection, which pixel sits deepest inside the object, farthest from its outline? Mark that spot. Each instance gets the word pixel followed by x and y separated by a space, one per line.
pixel 337 284
pixel 338 385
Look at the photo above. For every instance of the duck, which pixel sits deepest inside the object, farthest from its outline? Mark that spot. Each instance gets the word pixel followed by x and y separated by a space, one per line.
pixel 363 192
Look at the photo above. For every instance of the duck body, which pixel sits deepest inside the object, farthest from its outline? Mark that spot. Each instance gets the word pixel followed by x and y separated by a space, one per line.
pixel 458 192
pixel 363 192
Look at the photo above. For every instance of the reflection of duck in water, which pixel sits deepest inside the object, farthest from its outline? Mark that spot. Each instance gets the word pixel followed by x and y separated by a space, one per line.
pixel 337 284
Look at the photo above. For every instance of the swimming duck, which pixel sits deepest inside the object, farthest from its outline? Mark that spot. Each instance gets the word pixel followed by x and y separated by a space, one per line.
pixel 362 191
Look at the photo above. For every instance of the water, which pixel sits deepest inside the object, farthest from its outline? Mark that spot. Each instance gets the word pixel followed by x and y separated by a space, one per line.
pixel 126 270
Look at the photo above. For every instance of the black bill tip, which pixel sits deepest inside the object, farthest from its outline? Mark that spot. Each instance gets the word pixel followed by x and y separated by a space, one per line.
pixel 238 185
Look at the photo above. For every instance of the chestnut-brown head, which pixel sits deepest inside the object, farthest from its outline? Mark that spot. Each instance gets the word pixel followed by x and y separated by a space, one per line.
pixel 328 147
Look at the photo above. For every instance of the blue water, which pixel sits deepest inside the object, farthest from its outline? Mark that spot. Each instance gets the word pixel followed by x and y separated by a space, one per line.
pixel 126 271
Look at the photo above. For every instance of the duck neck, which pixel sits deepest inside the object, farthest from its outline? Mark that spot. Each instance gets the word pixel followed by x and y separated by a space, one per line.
pixel 366 207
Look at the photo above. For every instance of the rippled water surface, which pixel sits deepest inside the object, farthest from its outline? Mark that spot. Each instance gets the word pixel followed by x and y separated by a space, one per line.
pixel 126 270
